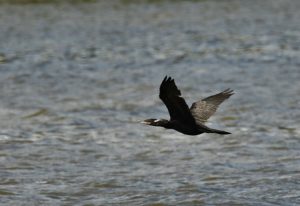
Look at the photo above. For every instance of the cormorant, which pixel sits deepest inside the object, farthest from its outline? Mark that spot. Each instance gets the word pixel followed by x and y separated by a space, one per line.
pixel 183 119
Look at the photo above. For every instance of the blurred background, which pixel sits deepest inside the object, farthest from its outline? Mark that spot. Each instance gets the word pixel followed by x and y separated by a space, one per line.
pixel 76 77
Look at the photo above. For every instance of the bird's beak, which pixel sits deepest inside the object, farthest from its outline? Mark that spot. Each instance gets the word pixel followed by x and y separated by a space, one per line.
pixel 143 122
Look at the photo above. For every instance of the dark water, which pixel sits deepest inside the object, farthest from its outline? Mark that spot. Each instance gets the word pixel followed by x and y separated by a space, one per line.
pixel 75 80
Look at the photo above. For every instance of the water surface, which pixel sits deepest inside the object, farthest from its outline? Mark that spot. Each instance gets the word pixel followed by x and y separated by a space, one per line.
pixel 75 80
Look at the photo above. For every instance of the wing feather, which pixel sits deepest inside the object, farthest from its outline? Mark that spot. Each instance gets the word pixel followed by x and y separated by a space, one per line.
pixel 177 107
pixel 205 108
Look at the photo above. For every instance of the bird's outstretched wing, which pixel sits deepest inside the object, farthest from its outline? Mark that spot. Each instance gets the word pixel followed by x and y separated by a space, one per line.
pixel 205 108
pixel 177 107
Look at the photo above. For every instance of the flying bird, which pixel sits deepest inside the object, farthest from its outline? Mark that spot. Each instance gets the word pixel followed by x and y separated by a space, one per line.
pixel 189 121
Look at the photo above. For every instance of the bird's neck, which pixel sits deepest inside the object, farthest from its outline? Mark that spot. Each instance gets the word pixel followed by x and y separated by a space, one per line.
pixel 163 123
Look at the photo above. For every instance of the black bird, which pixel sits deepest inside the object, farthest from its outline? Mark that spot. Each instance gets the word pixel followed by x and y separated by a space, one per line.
pixel 183 119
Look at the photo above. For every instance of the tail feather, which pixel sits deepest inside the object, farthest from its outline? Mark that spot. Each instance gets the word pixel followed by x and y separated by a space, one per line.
pixel 206 129
pixel 218 131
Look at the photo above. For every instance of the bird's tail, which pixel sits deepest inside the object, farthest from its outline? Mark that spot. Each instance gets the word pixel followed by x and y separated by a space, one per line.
pixel 218 131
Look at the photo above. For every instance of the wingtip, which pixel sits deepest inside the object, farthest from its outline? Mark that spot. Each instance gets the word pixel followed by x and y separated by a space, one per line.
pixel 228 91
pixel 168 79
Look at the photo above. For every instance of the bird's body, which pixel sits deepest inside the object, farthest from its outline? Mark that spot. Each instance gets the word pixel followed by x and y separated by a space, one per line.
pixel 183 119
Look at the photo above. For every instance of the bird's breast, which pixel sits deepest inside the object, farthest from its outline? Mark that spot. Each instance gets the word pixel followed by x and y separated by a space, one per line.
pixel 185 128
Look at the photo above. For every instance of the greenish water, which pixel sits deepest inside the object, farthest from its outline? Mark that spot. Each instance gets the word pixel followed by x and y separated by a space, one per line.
pixel 45 1
pixel 88 1
pixel 75 80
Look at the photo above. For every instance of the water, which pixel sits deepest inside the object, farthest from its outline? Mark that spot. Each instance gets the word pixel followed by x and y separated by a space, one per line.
pixel 76 80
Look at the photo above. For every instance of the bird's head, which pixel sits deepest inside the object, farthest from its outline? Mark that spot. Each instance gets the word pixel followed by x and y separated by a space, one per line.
pixel 156 122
